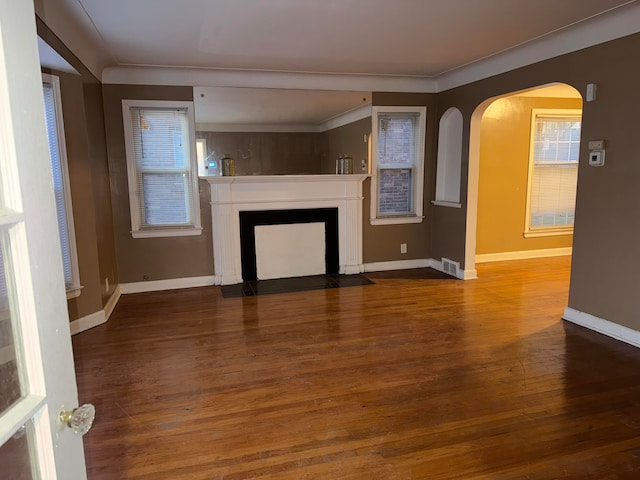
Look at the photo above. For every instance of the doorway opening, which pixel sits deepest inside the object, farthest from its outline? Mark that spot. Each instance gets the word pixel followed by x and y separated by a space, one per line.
pixel 523 164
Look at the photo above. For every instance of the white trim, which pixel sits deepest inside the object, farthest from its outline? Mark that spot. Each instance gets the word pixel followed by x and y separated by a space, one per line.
pixel 605 327
pixel 396 220
pixel 523 254
pixel 112 302
pixel 529 231
pixel 168 284
pixel 165 232
pixel 232 195
pixel 87 322
pixel 220 77
pixel 74 291
pixel 137 229
pixel 417 263
pixel 96 318
pixel 442 203
pixel 418 166
pixel 547 233
pixel 54 82
pixel 616 23
pixel 397 265
pixel 346 118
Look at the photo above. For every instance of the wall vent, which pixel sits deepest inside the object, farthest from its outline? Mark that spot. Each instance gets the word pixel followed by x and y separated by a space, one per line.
pixel 450 267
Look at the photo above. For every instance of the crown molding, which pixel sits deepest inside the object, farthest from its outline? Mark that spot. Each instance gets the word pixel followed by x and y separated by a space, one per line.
pixel 212 77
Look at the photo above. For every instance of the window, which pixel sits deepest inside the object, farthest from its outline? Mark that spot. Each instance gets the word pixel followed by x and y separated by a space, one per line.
pixel 162 171
pixel 58 157
pixel 397 167
pixel 553 172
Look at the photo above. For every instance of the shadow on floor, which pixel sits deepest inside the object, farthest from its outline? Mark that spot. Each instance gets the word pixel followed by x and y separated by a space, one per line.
pixel 298 284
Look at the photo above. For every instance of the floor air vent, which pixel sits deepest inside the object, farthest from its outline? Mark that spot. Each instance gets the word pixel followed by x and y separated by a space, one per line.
pixel 450 267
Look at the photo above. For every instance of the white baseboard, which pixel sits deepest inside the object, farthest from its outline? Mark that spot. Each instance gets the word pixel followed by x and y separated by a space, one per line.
pixel 417 263
pixel 397 265
pixel 87 322
pixel 112 302
pixel 522 254
pixel 600 325
pixel 169 284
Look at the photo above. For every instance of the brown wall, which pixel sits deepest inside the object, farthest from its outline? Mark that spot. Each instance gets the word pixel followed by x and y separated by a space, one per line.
pixel 290 153
pixel 141 259
pixel 504 169
pixel 89 181
pixel 268 153
pixel 605 236
pixel 349 140
pixel 382 242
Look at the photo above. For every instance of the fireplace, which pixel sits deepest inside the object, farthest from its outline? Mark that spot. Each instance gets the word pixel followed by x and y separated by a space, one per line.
pixel 332 200
pixel 328 217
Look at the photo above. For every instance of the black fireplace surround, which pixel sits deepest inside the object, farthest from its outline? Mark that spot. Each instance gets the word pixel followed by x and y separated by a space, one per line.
pixel 249 220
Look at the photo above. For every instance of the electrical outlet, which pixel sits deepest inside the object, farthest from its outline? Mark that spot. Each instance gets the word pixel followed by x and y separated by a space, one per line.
pixel 106 284
pixel 403 248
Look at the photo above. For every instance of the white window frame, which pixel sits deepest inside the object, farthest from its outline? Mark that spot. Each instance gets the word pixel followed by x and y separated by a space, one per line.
pixel 73 289
pixel 137 230
pixel 418 177
pixel 549 231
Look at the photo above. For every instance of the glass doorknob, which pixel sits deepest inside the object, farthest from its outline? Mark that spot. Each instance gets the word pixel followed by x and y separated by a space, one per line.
pixel 79 419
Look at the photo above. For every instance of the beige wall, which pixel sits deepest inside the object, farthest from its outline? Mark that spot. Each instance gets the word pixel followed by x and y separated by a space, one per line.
pixel 504 169
pixel 605 252
pixel 89 182
pixel 141 259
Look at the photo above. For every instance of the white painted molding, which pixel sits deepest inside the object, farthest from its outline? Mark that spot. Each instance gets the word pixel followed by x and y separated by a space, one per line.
pixel 523 254
pixel 417 263
pixel 87 322
pixel 231 195
pixel 442 203
pixel 218 77
pixel 611 25
pixel 346 118
pixel 397 265
pixel 112 302
pixel 168 284
pixel 600 325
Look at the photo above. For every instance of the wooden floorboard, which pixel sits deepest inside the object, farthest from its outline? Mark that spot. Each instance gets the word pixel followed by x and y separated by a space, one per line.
pixel 415 377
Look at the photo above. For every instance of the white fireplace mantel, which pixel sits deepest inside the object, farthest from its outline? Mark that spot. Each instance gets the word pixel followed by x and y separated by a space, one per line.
pixel 231 195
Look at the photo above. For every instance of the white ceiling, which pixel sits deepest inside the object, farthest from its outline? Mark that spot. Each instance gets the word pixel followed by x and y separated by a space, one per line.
pixel 422 38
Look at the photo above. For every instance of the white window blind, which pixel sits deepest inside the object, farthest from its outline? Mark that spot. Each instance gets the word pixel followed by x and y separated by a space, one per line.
pixel 162 178
pixel 57 153
pixel 554 173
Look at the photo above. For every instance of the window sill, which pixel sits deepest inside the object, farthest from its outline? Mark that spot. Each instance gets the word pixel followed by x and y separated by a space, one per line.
pixel 74 291
pixel 547 233
pixel 166 232
pixel 444 203
pixel 396 220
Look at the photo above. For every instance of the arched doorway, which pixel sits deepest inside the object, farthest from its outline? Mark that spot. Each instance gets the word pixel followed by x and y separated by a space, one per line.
pixel 523 227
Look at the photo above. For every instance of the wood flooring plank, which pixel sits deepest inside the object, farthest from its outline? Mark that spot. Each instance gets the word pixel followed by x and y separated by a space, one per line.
pixel 418 376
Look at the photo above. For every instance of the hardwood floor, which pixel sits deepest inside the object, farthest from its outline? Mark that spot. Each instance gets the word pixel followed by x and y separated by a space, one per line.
pixel 411 378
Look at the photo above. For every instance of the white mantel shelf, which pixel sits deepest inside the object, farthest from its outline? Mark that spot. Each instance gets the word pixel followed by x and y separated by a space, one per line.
pixel 233 194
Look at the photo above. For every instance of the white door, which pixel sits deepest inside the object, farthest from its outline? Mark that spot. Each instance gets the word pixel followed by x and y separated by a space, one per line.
pixel 37 378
